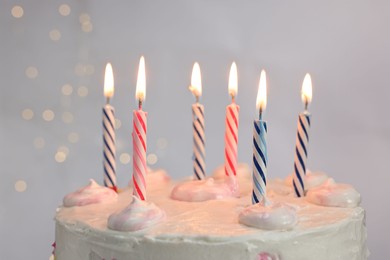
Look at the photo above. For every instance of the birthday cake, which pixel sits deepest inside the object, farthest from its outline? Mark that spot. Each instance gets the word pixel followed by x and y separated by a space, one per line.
pixel 327 224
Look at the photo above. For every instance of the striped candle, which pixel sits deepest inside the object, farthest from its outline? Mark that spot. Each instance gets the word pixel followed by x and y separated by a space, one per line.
pixel 300 158
pixel 109 147
pixel 139 136
pixel 231 128
pixel 199 141
pixel 260 155
pixel 198 125
pixel 109 164
pixel 302 140
pixel 260 161
pixel 139 153
pixel 231 139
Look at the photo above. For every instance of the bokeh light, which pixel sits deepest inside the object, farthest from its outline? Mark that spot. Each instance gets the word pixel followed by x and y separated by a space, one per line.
pixel 17 11
pixel 20 186
pixel 124 158
pixel 39 142
pixel 31 72
pixel 27 114
pixel 55 35
pixel 64 10
pixel 48 115
pixel 152 159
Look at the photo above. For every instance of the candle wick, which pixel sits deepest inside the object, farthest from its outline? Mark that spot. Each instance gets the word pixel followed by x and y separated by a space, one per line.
pixel 306 104
pixel 139 104
pixel 108 100
pixel 197 98
pixel 233 98
pixel 260 113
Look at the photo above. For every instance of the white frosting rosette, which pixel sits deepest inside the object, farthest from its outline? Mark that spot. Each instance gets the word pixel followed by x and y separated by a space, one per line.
pixel 332 194
pixel 202 190
pixel 275 216
pixel 90 194
pixel 137 216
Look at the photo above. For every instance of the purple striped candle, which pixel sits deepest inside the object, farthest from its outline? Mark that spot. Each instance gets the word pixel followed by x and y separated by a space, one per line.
pixel 198 125
pixel 109 163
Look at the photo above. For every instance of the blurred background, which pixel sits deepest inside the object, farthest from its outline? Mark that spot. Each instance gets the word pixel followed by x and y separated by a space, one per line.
pixel 52 59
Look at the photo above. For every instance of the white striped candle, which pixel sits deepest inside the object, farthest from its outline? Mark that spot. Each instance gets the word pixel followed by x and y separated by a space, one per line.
pixel 231 126
pixel 260 155
pixel 198 125
pixel 302 140
pixel 139 137
pixel 109 163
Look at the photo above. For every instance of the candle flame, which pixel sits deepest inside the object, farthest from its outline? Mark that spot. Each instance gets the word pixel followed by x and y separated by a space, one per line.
pixel 140 92
pixel 261 101
pixel 233 80
pixel 196 81
pixel 108 81
pixel 307 89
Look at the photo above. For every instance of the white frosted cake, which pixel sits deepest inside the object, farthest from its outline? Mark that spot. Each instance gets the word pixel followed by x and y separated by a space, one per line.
pixel 210 229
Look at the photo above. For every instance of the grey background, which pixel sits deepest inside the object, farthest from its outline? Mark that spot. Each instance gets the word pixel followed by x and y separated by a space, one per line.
pixel 343 44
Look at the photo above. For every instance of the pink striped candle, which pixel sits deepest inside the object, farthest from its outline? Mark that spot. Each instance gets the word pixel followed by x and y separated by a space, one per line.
pixel 139 136
pixel 231 131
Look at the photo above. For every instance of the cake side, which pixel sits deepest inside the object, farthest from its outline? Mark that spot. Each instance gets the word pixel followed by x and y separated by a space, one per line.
pixel 210 230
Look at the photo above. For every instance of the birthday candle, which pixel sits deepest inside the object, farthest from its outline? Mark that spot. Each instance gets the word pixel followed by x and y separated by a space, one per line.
pixel 302 140
pixel 198 125
pixel 139 136
pixel 109 131
pixel 260 156
pixel 231 130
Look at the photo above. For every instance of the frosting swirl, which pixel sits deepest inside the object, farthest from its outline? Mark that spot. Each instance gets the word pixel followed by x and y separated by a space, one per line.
pixel 202 190
pixel 154 178
pixel 136 216
pixel 157 177
pixel 90 194
pixel 332 194
pixel 312 179
pixel 244 172
pixel 274 216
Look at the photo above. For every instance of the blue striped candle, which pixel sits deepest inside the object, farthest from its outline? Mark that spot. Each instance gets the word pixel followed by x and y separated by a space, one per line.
pixel 260 157
pixel 260 161
pixel 302 141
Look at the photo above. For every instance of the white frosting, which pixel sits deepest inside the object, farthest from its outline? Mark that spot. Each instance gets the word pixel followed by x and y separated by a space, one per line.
pixel 210 230
pixel 202 190
pixel 157 177
pixel 137 216
pixel 278 216
pixel 243 172
pixel 90 194
pixel 154 178
pixel 312 179
pixel 333 194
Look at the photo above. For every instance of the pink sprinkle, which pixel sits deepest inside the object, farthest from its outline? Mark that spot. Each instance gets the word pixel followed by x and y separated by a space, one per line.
pixel 266 256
